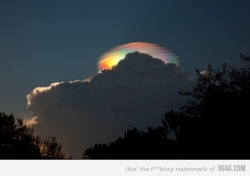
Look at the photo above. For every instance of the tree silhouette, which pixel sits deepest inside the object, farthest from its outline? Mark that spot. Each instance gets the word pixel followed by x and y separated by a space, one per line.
pixel 17 141
pixel 50 149
pixel 134 145
pixel 212 125
pixel 244 57
pixel 215 119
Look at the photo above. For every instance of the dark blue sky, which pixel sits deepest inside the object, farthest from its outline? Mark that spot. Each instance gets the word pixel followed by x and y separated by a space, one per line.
pixel 60 40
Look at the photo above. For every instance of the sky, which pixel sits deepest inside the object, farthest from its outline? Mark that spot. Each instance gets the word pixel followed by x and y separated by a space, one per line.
pixel 43 42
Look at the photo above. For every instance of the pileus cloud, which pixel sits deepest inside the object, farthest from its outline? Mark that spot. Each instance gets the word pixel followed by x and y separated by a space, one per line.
pixel 135 93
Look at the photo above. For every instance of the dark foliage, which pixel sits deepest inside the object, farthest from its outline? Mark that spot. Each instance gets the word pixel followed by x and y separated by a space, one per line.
pixel 245 57
pixel 212 125
pixel 50 149
pixel 135 144
pixel 17 141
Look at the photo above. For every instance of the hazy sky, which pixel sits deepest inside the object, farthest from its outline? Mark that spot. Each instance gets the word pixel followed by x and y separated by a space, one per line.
pixel 48 41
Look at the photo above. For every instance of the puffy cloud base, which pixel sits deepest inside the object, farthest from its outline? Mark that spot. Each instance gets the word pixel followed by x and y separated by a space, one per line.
pixel 135 93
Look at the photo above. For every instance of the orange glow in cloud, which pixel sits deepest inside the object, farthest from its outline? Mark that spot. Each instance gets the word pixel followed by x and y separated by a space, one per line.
pixel 112 57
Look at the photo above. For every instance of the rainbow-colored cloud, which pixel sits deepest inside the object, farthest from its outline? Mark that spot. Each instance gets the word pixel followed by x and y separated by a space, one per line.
pixel 112 57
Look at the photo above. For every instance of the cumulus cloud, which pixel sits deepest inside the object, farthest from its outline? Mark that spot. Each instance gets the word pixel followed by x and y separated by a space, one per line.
pixel 135 93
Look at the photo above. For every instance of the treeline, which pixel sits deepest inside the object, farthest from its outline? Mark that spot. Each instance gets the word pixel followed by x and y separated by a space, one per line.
pixel 214 124
pixel 17 141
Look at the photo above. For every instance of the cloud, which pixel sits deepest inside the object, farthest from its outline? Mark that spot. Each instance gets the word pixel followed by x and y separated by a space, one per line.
pixel 30 121
pixel 135 93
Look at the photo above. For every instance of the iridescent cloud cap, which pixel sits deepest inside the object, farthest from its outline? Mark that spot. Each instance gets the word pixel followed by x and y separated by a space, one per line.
pixel 112 57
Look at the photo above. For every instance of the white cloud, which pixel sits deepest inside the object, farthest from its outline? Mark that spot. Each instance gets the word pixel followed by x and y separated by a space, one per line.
pixel 30 121
pixel 39 90
pixel 135 93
